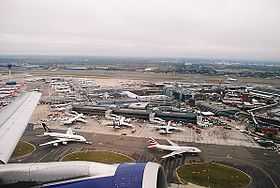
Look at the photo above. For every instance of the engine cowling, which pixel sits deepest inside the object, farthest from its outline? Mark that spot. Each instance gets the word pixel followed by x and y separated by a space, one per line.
pixel 74 174
pixel 127 175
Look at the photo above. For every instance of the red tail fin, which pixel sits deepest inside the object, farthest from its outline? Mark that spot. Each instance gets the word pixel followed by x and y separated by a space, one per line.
pixel 152 143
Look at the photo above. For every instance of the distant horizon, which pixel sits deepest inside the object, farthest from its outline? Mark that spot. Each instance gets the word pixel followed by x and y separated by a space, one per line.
pixel 144 57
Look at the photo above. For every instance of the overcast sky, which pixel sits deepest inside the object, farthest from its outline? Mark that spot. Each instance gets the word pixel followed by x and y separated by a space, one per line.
pixel 247 29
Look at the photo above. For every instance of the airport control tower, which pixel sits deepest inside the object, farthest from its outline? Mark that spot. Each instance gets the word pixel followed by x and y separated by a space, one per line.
pixel 10 70
pixel 10 81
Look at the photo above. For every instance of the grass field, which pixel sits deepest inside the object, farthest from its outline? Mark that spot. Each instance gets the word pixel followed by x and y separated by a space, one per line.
pixel 23 148
pixel 212 175
pixel 107 157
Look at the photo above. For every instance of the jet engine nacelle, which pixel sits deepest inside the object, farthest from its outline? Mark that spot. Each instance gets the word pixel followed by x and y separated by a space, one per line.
pixel 135 175
pixel 85 174
pixel 64 143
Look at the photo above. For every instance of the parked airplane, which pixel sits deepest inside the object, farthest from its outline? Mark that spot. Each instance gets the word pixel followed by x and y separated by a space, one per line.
pixel 62 138
pixel 173 147
pixel 58 109
pixel 117 121
pixel 144 98
pixel 74 114
pixel 109 115
pixel 60 105
pixel 121 123
pixel 167 129
pixel 64 174
pixel 77 117
pixel 156 120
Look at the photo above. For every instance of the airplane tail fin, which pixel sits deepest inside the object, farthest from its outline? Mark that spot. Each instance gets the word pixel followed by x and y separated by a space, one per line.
pixel 69 131
pixel 151 116
pixel 122 120
pixel 46 128
pixel 152 142
pixel 169 124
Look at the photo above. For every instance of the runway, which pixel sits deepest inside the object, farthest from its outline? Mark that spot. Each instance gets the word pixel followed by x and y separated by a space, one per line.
pixel 262 165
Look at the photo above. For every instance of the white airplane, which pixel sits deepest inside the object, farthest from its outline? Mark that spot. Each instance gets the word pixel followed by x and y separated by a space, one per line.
pixel 173 147
pixel 156 120
pixel 67 173
pixel 144 98
pixel 167 129
pixel 119 123
pixel 74 114
pixel 124 123
pixel 109 115
pixel 60 105
pixel 78 117
pixel 58 109
pixel 62 138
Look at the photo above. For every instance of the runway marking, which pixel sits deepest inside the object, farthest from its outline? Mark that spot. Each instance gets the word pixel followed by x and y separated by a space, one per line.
pixel 44 156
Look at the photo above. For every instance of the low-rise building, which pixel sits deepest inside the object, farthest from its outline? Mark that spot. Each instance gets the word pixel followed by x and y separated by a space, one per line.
pixel 217 108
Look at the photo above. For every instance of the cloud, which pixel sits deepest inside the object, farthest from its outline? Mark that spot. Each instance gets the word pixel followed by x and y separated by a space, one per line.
pixel 216 28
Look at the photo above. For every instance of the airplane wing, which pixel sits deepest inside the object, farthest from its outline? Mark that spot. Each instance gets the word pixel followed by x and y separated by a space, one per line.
pixel 176 128
pixel 158 126
pixel 57 141
pixel 172 154
pixel 171 143
pixel 74 112
pixel 13 121
pixel 82 120
pixel 69 121
pixel 128 125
